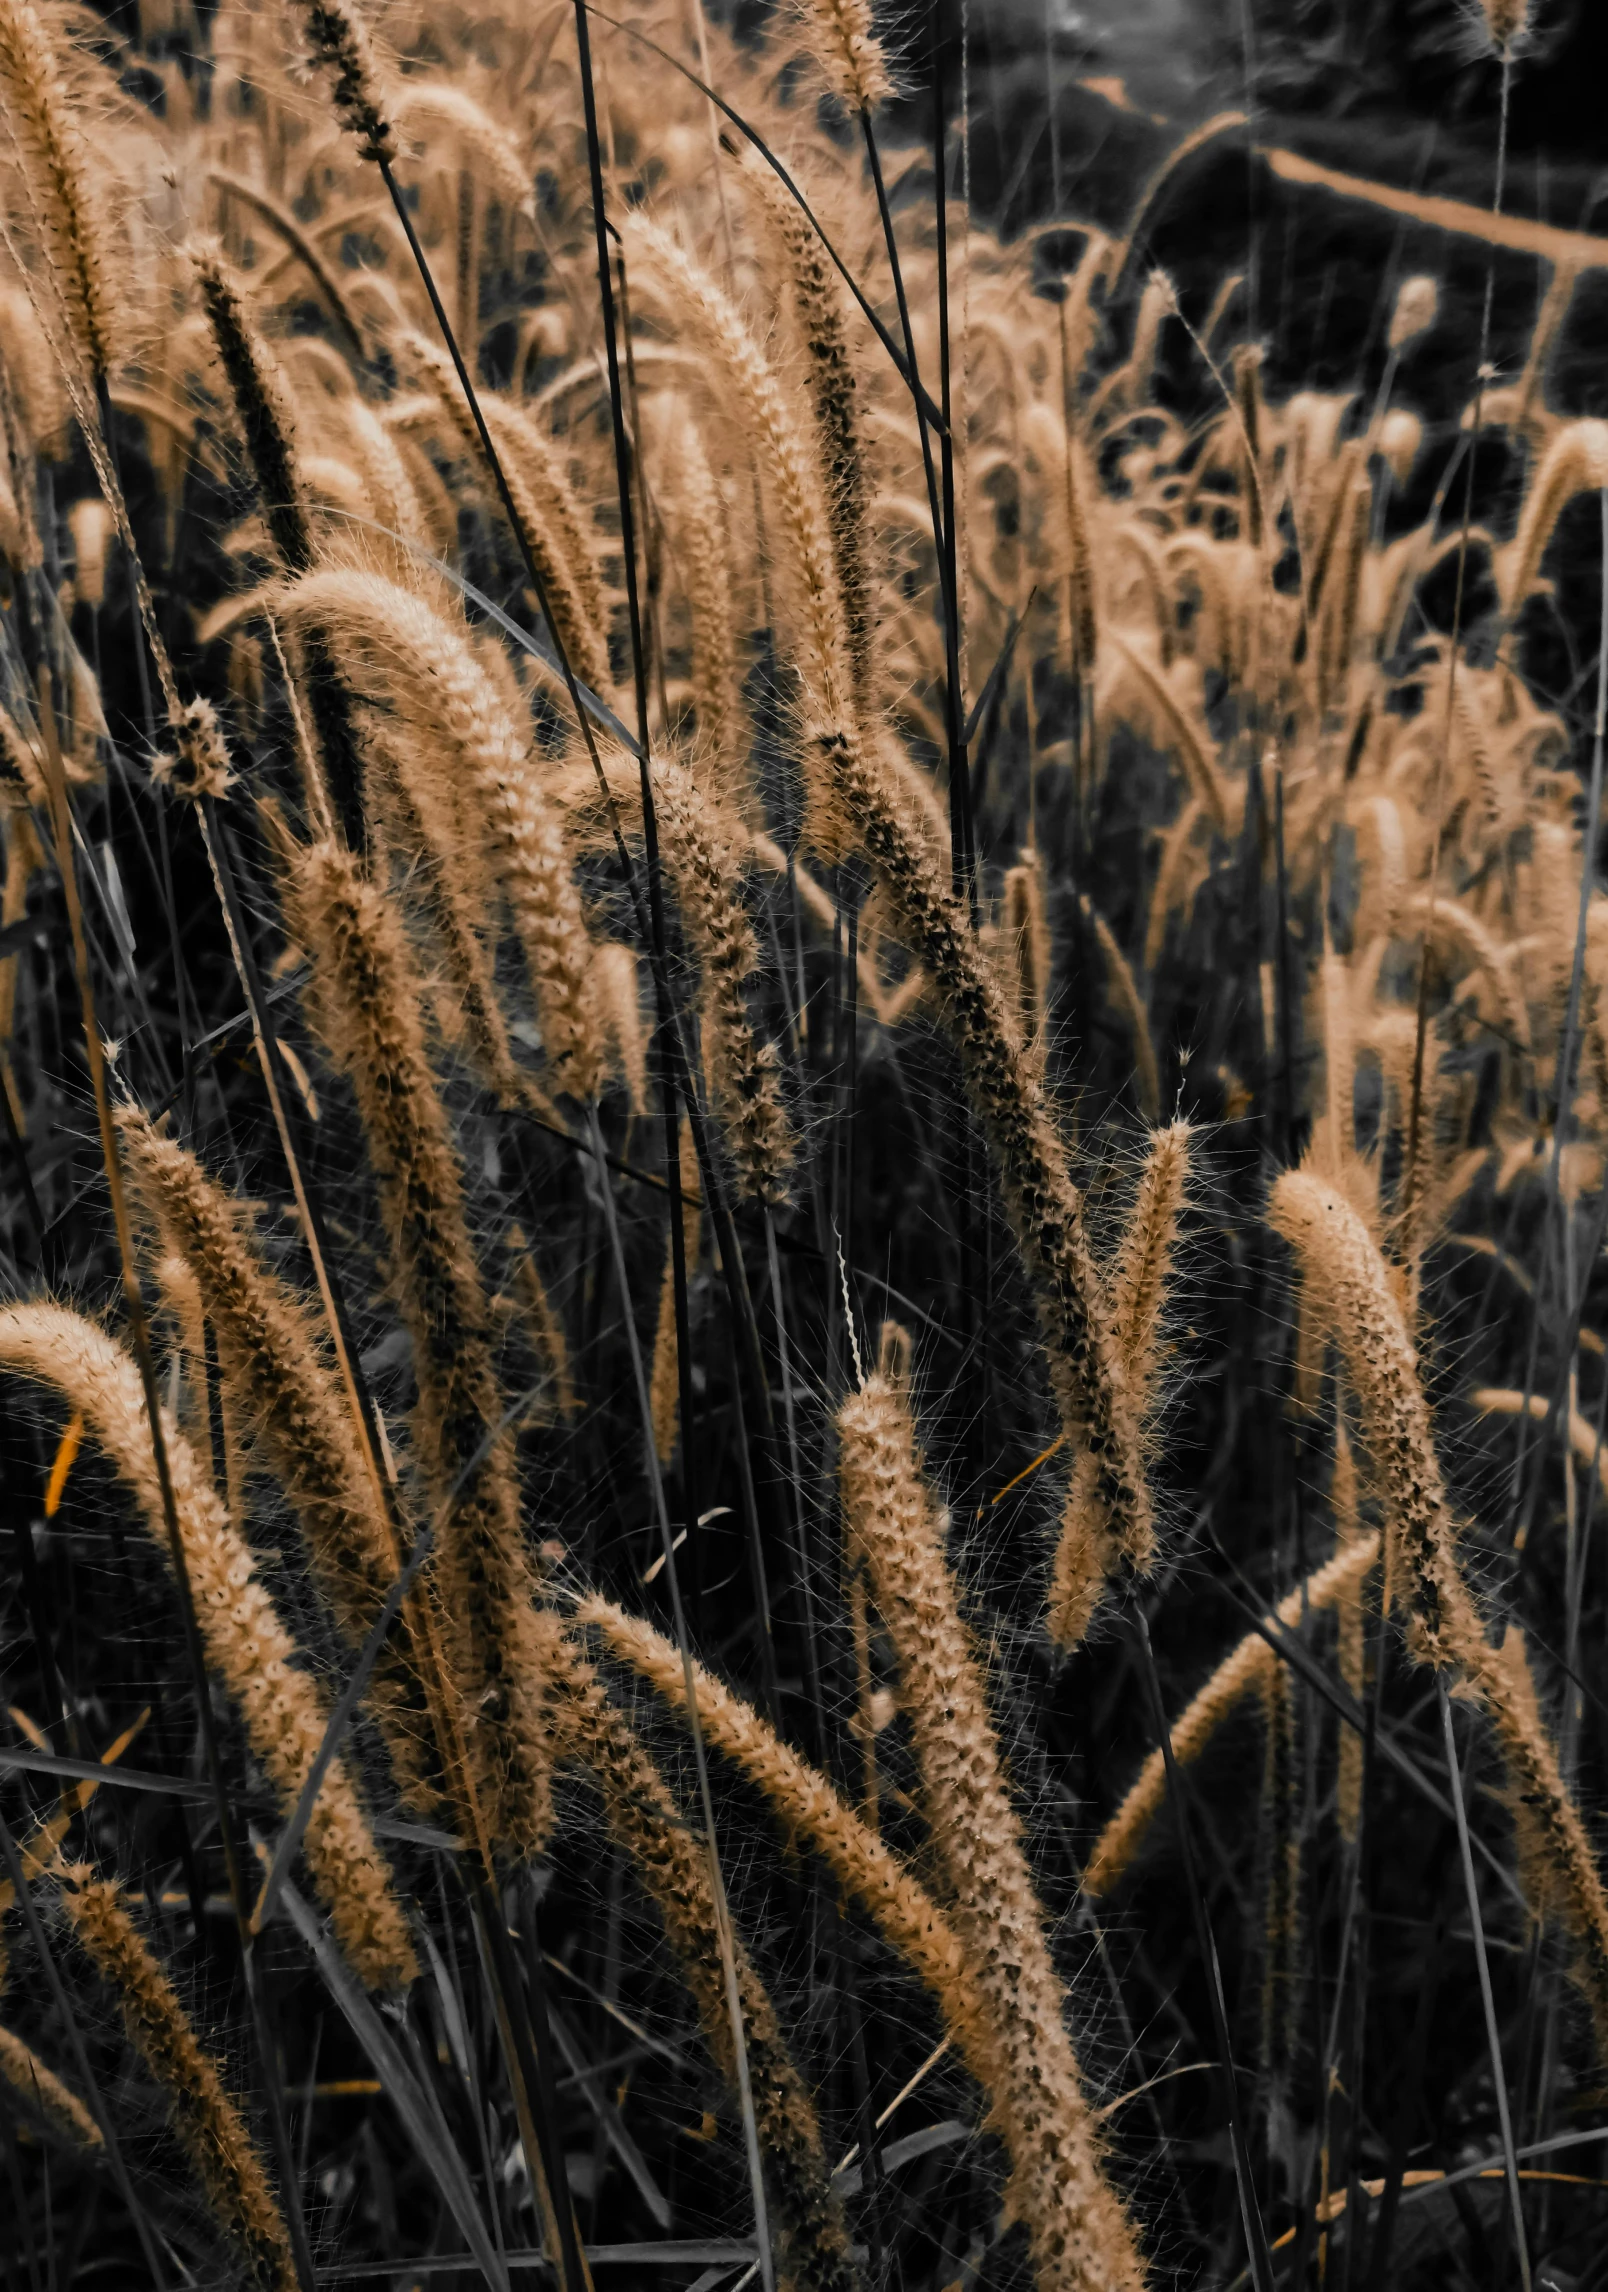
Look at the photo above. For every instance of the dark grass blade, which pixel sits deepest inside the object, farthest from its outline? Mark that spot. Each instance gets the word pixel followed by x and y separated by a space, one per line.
pixel 1493 2038
pixel 414 2102
pixel 197 1794
pixel 1256 2245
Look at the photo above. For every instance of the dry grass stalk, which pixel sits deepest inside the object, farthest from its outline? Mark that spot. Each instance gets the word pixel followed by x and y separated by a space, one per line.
pixel 820 324
pixel 1026 933
pixel 395 645
pixel 1138 1282
pixel 1078 2229
pixel 246 1644
pixel 275 1372
pixel 364 1000
pixel 812 2242
pixel 812 1812
pixel 664 1391
pixel 41 2094
pixel 1241 1673
pixel 1445 1629
pixel 206 2120
pixel 550 519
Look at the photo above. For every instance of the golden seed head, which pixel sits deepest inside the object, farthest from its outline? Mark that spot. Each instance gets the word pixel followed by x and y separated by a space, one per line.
pixel 1417 303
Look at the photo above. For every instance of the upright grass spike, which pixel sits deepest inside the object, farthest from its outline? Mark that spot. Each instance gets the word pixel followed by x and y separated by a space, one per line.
pixel 1026 933
pixel 818 320
pixel 423 810
pixel 258 392
pixel 1138 1282
pixel 843 42
pixel 665 1390
pixel 69 208
pixel 1108 1504
pixel 703 559
pixel 246 1644
pixel 206 2119
pixel 364 1001
pixel 339 43
pixel 1080 2235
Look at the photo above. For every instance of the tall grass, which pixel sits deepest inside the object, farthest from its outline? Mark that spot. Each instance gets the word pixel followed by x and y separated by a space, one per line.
pixel 798 1007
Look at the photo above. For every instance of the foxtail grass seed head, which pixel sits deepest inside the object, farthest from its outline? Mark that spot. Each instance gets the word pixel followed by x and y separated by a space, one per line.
pixel 338 44
pixel 1026 933
pixel 365 1003
pixel 1417 307
pixel 280 1384
pixel 247 1646
pixel 206 2119
pixel 812 2242
pixel 1078 2230
pixel 842 41
pixel 1144 1257
pixel 257 390
pixel 809 1808
pixel 1506 24
pixel 665 1383
pixel 90 523
pixel 395 646
pixel 41 2096
pixel 1242 1672
pixel 68 203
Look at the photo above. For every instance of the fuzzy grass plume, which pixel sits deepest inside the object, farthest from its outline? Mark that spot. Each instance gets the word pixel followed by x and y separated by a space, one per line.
pixel 246 1643
pixel 1078 2228
pixel 206 2119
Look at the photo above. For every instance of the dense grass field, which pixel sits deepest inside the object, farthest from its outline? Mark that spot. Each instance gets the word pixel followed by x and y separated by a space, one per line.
pixel 804 1061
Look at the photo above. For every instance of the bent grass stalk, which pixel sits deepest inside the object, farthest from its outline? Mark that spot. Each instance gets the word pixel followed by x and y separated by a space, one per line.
pixel 281 1386
pixel 206 2119
pixel 246 1644
pixel 1445 1629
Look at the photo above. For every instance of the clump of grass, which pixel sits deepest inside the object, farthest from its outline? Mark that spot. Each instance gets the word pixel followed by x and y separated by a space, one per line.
pixel 932 520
